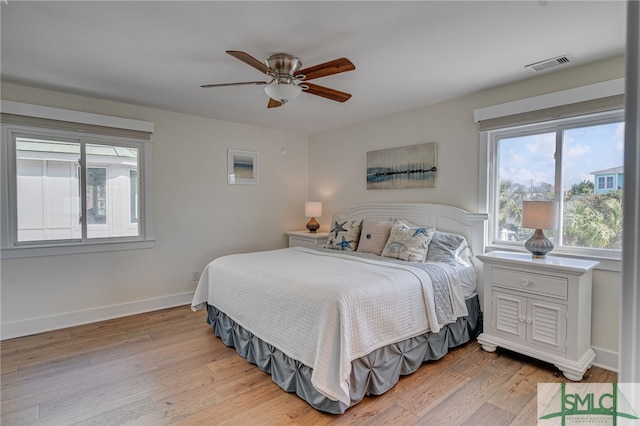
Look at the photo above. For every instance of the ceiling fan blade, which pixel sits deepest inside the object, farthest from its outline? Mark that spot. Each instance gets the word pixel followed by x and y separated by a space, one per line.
pixel 273 103
pixel 325 92
pixel 328 68
pixel 252 83
pixel 250 60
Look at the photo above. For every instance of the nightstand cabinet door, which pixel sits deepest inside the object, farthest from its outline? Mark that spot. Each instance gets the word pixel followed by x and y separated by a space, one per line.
pixel 508 315
pixel 547 324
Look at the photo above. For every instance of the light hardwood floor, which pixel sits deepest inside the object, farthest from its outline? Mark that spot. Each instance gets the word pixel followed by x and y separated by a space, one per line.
pixel 167 367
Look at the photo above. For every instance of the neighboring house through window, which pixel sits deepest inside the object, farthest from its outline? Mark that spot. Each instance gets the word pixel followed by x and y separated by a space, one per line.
pixel 609 179
pixel 68 191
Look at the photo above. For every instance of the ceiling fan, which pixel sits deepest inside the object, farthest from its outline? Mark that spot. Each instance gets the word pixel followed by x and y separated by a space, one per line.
pixel 288 80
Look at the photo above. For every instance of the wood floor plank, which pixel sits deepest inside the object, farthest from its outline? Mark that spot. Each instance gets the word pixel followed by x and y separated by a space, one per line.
pixel 528 416
pixel 233 405
pixel 488 414
pixel 267 413
pixel 189 401
pixel 168 368
pixel 437 390
pixel 461 404
pixel 394 415
pixel 307 415
pixel 122 414
pixel 109 396
pixel 516 393
pixel 20 416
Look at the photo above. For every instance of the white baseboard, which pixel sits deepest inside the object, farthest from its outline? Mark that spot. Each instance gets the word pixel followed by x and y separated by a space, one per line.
pixel 606 359
pixel 30 326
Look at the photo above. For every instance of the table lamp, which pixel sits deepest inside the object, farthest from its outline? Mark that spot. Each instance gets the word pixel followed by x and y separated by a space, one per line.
pixel 539 215
pixel 313 209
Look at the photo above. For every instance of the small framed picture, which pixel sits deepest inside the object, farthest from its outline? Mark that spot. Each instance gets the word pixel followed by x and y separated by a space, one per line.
pixel 242 167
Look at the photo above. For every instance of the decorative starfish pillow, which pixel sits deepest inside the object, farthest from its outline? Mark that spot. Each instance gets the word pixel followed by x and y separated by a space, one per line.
pixel 344 234
pixel 408 242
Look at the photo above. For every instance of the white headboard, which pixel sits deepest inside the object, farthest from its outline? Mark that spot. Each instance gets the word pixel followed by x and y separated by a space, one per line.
pixel 442 217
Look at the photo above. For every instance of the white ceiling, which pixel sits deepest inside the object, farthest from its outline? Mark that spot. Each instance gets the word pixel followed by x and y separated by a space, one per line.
pixel 407 54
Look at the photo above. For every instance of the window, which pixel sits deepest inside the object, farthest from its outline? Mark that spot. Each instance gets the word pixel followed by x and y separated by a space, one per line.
pixel 605 182
pixel 579 163
pixel 69 192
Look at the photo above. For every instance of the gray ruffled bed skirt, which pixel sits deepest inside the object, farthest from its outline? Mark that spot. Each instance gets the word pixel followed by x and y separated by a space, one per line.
pixel 373 374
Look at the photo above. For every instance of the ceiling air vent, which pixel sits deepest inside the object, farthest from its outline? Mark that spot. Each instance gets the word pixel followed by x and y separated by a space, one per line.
pixel 550 63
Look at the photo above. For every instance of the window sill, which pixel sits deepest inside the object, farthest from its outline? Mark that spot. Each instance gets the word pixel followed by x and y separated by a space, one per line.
pixel 98 247
pixel 613 264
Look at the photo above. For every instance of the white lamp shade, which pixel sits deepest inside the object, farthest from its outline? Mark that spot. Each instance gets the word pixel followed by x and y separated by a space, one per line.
pixel 313 209
pixel 539 214
pixel 282 92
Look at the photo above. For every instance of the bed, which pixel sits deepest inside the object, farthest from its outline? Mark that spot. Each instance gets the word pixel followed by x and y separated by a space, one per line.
pixel 394 287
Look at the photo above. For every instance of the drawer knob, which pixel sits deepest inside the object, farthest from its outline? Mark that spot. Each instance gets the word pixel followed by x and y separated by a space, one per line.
pixel 521 319
pixel 528 321
pixel 525 283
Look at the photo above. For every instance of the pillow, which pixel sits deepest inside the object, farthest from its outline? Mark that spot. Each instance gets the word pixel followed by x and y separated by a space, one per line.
pixel 408 242
pixel 344 234
pixel 374 235
pixel 449 248
pixel 464 253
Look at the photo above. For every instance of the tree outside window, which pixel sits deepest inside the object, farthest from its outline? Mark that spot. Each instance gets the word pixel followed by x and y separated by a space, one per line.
pixel 559 164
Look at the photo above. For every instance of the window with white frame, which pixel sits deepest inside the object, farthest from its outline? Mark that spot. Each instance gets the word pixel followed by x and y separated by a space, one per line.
pixel 66 191
pixel 559 160
pixel 605 182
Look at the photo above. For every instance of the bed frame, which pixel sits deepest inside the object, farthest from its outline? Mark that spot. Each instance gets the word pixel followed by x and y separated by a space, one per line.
pixel 379 371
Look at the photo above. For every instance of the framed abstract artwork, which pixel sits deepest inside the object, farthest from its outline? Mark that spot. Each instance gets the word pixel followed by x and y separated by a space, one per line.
pixel 242 167
pixel 411 166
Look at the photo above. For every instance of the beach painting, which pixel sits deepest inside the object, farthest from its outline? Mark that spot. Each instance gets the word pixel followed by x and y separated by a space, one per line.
pixel 242 167
pixel 411 166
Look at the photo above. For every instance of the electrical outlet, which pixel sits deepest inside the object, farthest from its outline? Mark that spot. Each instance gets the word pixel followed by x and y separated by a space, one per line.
pixel 195 276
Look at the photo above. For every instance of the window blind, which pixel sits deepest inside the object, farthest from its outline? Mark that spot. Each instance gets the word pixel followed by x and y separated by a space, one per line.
pixel 608 103
pixel 25 120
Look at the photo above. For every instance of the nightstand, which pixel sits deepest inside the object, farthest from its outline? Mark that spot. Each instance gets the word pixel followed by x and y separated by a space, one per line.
pixel 540 308
pixel 307 239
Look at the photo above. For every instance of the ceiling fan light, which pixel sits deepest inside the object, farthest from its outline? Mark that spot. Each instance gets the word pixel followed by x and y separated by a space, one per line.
pixel 282 92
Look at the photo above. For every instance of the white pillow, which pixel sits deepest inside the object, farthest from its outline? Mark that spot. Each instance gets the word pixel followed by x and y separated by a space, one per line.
pixel 344 234
pixel 374 235
pixel 408 242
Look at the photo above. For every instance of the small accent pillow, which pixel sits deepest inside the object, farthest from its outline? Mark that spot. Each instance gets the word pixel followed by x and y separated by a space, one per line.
pixel 408 242
pixel 448 248
pixel 344 234
pixel 374 235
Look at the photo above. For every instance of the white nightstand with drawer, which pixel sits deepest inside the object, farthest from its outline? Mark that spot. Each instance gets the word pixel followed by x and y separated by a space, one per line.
pixel 540 308
pixel 307 239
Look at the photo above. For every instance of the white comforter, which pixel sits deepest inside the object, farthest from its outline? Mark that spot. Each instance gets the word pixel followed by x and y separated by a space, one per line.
pixel 324 309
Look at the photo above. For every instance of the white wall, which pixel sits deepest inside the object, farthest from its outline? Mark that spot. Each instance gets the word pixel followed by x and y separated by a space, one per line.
pixel 338 167
pixel 198 217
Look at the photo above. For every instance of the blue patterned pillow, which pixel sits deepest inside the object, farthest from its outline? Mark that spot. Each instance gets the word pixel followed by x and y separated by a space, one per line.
pixel 444 247
pixel 344 234
pixel 408 242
